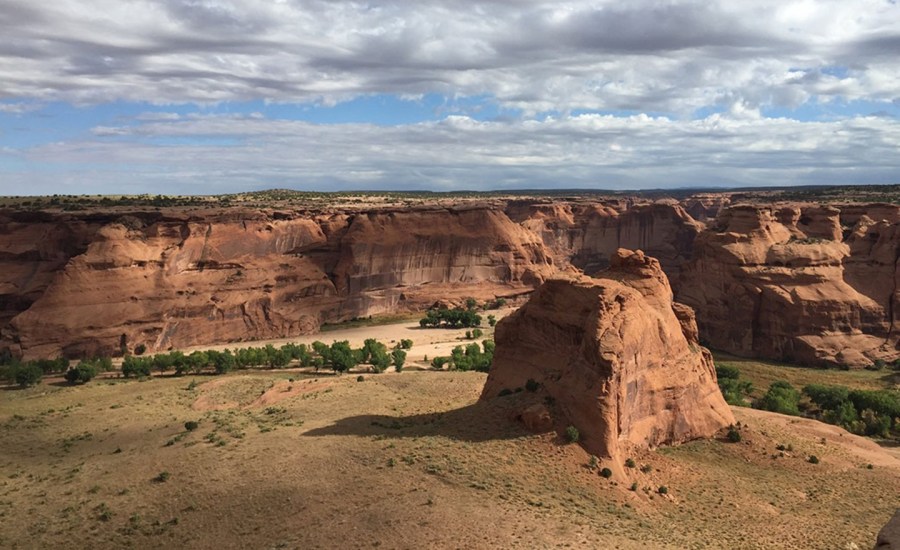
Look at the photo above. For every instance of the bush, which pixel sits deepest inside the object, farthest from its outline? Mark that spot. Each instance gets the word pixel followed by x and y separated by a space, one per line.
pixel 504 392
pixel 827 397
pixel 492 320
pixel 532 385
pixel 663 490
pixel 781 398
pixel 162 477
pixel 634 486
pixel 733 434
pixel 727 372
pixel 630 463
pixel 140 349
pixel 646 468
pixel 360 378
pixel 82 373
pixel 406 344
pixel 813 459
pixel 477 333
pixel 398 356
pixel 191 425
pixel 27 375
pixel 606 472
pixel 572 434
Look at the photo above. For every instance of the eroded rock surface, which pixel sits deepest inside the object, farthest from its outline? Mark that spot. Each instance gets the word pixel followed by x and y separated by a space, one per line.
pixel 95 286
pixel 785 283
pixel 616 358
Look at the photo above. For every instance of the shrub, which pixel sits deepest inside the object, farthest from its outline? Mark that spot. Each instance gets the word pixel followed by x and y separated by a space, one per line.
pixel 27 375
pixel 663 490
pixel 360 378
pixel 504 392
pixel 813 459
pixel 191 425
pixel 592 463
pixel 630 463
pixel 477 333
pixel 781 398
pixel 140 349
pixel 634 486
pixel 532 385
pixel 606 472
pixel 572 434
pixel 733 434
pixel 646 468
pixel 162 477
pixel 827 397
pixel 727 372
pixel 82 373
pixel 398 356
pixel 492 320
pixel 406 344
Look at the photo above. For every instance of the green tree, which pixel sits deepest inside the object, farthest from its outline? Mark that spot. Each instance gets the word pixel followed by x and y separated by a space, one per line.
pixel 781 398
pixel 28 374
pixel 399 357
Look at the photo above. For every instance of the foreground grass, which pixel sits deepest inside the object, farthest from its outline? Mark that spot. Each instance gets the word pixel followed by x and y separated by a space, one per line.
pixel 403 460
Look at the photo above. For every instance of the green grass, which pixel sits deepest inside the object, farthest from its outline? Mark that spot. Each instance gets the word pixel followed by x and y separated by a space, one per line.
pixel 763 373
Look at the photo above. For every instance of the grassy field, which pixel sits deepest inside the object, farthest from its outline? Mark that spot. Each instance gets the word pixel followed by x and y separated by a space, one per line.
pixel 409 460
pixel 763 373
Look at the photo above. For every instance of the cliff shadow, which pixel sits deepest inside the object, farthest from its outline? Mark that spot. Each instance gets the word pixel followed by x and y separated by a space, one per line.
pixel 480 421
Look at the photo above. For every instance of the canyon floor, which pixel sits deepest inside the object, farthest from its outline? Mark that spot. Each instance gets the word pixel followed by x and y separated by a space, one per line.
pixel 283 459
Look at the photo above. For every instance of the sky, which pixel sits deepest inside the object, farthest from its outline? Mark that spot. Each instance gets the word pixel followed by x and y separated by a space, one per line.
pixel 222 96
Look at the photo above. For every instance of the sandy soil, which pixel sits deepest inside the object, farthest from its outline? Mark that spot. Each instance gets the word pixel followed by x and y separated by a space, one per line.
pixel 284 459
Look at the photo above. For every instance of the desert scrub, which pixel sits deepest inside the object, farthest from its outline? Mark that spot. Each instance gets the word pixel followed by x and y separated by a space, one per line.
pixel 733 435
pixel 161 477
pixel 572 434
pixel 630 463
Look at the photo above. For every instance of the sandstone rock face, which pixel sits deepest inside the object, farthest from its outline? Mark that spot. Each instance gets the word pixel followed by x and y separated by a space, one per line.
pixel 587 235
pixel 620 363
pixel 783 283
pixel 94 286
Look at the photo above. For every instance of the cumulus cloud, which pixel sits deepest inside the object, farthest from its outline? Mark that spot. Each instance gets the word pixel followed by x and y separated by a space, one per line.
pixel 673 56
pixel 540 64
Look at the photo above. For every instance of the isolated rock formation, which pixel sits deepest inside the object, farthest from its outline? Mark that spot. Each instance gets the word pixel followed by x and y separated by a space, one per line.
pixel 783 283
pixel 619 361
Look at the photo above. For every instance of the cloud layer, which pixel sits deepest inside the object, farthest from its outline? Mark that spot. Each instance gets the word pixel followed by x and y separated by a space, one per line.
pixel 707 73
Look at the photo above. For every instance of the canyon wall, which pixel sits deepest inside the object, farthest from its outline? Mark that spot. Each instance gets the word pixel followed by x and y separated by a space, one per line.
pixel 805 283
pixel 81 287
pixel 799 284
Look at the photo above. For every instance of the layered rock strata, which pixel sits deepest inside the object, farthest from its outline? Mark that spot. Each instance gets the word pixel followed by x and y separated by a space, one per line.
pixel 614 356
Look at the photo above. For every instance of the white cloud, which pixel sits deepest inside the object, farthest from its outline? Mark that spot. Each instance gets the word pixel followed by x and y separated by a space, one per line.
pixel 462 153
pixel 674 56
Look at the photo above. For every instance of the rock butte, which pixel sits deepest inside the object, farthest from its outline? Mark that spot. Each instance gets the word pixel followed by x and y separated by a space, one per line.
pixel 811 284
pixel 614 357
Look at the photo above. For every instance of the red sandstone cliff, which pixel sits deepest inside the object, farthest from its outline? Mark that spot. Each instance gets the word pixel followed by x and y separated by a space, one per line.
pixel 783 283
pixel 185 279
pixel 620 361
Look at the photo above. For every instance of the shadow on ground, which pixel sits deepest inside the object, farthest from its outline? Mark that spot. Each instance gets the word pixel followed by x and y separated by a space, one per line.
pixel 477 422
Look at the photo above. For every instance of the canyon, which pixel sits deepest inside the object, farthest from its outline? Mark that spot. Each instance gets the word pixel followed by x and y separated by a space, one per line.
pixel 797 281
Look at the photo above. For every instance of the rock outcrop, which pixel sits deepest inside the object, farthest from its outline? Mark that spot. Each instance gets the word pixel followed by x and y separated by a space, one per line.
pixel 170 280
pixel 616 357
pixel 889 536
pixel 587 235
pixel 783 283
